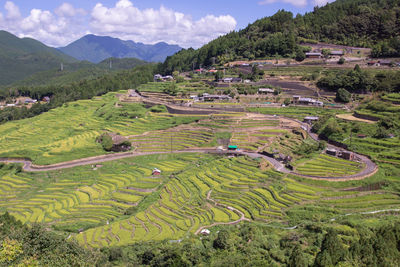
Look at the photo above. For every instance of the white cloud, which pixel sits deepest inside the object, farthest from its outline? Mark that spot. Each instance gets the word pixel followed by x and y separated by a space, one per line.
pixel 322 2
pixel 68 10
pixel 68 23
pixel 53 29
pixel 13 12
pixel 126 21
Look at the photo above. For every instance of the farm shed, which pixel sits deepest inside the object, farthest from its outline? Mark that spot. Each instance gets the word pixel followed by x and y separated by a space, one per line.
pixel 385 62
pixel 306 101
pixel 373 63
pixel 336 53
pixel 30 101
pixel 156 172
pixel 232 147
pixel 205 232
pixel 311 119
pixel 331 151
pixel 266 91
pixel 208 97
pixel 313 55
pixel 346 155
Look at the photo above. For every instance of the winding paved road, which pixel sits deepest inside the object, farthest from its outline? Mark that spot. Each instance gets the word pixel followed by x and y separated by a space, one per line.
pixel 370 169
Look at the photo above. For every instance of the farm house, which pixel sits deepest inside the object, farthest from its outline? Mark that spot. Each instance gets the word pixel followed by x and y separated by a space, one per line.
pixel 156 172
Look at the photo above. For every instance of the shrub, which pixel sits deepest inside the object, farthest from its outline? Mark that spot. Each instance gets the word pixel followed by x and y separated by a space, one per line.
pixel 342 95
pixel 106 142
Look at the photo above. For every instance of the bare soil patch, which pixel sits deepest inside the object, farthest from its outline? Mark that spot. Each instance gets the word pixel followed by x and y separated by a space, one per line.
pixel 350 117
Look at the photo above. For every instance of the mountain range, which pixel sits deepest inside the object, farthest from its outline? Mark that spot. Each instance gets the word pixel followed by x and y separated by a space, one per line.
pixel 97 48
pixel 27 62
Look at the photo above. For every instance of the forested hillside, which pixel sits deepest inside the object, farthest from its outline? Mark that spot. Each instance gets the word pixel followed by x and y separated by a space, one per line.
pixel 248 245
pixel 368 23
pixel 20 58
pixel 76 72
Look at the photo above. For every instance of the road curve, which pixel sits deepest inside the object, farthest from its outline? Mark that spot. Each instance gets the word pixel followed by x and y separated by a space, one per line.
pixel 370 169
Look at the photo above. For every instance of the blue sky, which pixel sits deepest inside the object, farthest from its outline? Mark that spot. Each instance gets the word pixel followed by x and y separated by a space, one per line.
pixel 187 23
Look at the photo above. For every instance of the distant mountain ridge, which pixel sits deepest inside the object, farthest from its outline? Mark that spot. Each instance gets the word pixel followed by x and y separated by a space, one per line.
pixel 22 57
pixel 97 48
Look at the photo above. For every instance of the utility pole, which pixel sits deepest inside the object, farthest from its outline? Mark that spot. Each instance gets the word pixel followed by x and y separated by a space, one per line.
pixel 351 137
pixel 171 142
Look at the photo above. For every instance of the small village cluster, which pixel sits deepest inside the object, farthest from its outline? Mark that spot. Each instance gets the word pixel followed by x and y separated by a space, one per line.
pixel 24 101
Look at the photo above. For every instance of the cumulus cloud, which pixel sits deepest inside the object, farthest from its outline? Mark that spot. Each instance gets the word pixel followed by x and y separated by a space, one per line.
pixel 68 23
pixel 13 12
pixel 68 10
pixel 54 29
pixel 126 21
pixel 298 3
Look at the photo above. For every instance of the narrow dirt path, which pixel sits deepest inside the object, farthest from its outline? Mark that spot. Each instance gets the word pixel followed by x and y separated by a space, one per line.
pixel 242 216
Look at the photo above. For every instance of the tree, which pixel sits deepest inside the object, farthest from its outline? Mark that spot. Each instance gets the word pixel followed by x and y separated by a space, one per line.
pixel 297 258
pixel 326 53
pixel 172 89
pixel 10 250
pixel 342 95
pixel 331 127
pixel 332 251
pixel 218 75
pixel 221 242
pixel 106 142
pixel 300 55
pixel 341 61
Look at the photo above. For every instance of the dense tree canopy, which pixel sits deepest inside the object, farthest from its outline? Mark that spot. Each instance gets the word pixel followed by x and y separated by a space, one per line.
pixel 247 245
pixel 366 23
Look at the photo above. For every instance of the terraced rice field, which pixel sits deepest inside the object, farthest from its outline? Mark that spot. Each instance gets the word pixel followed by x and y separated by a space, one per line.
pixel 182 206
pixel 69 132
pixel 295 112
pixel 384 150
pixel 174 139
pixel 120 202
pixel 157 87
pixel 85 196
pixel 329 166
